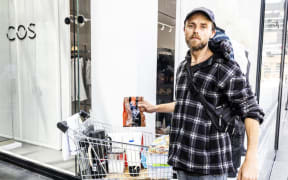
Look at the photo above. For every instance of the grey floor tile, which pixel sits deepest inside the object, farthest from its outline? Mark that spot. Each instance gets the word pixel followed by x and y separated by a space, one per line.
pixel 280 167
pixel 45 155
pixel 3 139
pixel 279 171
pixel 12 172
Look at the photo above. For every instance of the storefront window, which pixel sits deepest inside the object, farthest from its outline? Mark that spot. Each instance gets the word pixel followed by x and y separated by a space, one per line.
pixel 165 61
pixel 270 79
pixel 80 35
pixel 281 135
pixel 35 48
pixel 48 86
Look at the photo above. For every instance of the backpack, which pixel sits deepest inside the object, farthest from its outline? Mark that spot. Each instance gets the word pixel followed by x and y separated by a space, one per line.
pixel 241 55
pixel 234 51
pixel 231 50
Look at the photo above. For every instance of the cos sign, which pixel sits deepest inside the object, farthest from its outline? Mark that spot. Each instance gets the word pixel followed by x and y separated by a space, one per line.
pixel 21 32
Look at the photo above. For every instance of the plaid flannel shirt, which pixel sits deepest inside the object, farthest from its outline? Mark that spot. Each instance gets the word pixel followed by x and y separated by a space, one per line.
pixel 195 144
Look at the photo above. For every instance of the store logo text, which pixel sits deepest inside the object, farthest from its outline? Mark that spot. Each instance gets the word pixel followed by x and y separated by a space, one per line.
pixel 21 32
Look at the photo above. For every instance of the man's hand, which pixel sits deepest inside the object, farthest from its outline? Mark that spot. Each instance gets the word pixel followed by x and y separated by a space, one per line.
pixel 249 169
pixel 145 106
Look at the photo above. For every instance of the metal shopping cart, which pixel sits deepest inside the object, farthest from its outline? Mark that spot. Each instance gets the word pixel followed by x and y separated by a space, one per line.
pixel 104 153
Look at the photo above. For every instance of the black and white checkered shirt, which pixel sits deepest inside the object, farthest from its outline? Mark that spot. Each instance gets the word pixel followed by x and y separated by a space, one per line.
pixel 195 145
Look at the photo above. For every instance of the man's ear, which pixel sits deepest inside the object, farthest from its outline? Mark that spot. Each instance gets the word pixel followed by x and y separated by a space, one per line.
pixel 184 26
pixel 213 33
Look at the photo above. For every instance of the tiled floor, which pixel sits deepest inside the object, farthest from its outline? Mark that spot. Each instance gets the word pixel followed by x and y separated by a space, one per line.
pixel 12 172
pixel 45 155
pixel 279 171
pixel 3 139
pixel 42 155
pixel 54 158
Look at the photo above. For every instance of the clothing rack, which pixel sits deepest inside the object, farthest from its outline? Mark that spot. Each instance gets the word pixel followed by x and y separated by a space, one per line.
pixel 165 51
pixel 85 54
pixel 164 89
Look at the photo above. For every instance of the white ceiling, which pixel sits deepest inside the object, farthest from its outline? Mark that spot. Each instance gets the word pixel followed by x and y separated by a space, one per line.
pixel 167 11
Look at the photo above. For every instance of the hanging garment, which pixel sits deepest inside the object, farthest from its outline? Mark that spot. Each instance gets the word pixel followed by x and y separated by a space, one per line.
pixel 82 95
pixel 88 72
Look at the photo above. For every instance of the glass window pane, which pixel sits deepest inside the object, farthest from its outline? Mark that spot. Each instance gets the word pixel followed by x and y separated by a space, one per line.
pixel 270 78
pixel 284 109
pixel 165 61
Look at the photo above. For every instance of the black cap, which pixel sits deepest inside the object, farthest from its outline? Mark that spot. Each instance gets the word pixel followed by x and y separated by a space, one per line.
pixel 205 11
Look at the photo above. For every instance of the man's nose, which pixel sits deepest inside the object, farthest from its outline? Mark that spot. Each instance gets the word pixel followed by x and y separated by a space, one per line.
pixel 195 32
pixel 196 29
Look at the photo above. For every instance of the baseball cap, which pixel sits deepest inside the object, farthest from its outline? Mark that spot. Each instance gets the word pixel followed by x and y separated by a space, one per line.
pixel 207 12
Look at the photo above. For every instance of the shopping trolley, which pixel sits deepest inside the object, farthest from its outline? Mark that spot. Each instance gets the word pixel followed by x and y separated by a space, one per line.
pixel 101 154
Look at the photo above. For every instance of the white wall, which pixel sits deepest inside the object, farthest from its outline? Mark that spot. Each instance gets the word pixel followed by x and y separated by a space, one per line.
pixel 124 50
pixel 6 74
pixel 37 100
pixel 65 61
pixel 240 19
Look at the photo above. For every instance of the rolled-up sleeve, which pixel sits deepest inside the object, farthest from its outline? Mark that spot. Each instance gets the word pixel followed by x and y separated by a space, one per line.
pixel 241 97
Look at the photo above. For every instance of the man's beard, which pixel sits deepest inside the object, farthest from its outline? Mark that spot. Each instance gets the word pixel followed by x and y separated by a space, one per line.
pixel 199 47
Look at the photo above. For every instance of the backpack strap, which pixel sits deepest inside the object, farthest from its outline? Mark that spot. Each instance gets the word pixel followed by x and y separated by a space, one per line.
pixel 210 109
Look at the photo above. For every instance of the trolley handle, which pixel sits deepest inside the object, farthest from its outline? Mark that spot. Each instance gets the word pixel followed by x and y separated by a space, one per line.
pixel 84 114
pixel 62 126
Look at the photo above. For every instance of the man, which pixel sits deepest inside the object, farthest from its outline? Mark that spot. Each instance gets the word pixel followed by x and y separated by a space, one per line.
pixel 197 150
